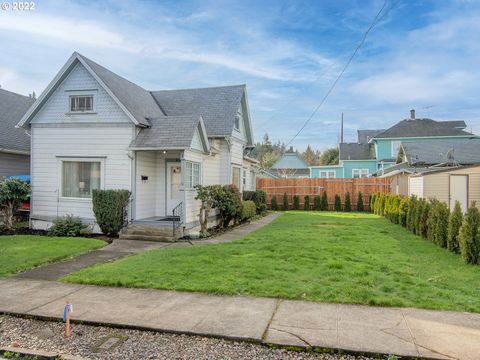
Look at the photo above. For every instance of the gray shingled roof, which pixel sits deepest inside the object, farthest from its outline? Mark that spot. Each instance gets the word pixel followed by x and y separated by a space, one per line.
pixel 424 127
pixel 217 105
pixel 290 161
pixel 138 101
pixel 168 132
pixel 365 135
pixel 12 107
pixel 462 151
pixel 354 151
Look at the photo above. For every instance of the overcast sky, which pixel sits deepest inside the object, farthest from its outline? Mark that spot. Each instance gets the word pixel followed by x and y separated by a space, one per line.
pixel 423 55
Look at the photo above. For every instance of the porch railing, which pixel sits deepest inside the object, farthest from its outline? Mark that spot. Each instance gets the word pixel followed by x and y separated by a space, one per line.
pixel 177 217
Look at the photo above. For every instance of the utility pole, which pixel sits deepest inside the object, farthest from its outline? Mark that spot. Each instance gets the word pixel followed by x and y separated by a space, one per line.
pixel 341 131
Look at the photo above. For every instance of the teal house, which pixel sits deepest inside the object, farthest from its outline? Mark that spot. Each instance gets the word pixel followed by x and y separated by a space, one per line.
pixel 377 150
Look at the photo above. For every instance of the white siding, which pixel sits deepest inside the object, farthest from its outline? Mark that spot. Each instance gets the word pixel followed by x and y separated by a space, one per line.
pixel 146 164
pixel 237 151
pixel 436 186
pixel 50 143
pixel 160 193
pixel 416 186
pixel 240 134
pixel 79 81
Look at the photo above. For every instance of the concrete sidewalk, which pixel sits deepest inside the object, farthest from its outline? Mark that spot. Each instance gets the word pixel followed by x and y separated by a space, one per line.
pixel 404 332
pixel 121 248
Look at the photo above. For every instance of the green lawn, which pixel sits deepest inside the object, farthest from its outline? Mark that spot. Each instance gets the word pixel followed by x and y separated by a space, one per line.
pixel 334 257
pixel 22 252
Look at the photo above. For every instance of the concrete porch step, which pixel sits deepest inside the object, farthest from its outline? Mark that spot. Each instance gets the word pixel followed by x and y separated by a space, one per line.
pixel 158 238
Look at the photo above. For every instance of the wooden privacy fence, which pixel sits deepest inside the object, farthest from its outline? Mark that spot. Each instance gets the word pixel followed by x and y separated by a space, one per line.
pixel 314 187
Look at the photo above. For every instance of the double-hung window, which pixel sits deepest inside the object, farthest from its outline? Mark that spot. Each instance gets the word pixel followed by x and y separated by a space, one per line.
pixel 236 178
pixel 192 174
pixel 81 103
pixel 244 178
pixel 359 173
pixel 79 178
pixel 395 148
pixel 327 174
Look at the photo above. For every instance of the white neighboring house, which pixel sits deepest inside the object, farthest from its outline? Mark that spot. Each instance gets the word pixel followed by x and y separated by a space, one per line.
pixel 93 129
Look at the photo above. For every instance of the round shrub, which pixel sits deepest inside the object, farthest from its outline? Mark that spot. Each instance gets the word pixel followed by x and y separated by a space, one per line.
pixel 454 224
pixel 68 225
pixel 249 210
pixel 469 237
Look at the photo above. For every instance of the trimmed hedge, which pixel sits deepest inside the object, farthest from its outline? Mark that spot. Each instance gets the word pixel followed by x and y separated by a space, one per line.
pixel 259 197
pixel 110 209
pixel 432 220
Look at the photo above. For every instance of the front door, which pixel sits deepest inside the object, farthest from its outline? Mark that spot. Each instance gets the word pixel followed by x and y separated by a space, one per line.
pixel 459 191
pixel 174 181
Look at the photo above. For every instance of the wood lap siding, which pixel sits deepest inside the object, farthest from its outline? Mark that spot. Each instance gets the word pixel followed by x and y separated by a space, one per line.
pixel 312 187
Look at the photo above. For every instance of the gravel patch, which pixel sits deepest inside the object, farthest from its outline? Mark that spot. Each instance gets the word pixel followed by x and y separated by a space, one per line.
pixel 136 344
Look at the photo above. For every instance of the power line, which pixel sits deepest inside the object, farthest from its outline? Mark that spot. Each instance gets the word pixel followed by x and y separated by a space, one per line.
pixel 364 38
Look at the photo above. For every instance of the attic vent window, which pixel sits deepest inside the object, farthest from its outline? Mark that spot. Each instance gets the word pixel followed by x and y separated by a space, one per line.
pixel 81 103
pixel 237 122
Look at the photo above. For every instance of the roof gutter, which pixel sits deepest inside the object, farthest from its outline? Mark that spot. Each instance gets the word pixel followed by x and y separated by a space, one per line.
pixel 16 152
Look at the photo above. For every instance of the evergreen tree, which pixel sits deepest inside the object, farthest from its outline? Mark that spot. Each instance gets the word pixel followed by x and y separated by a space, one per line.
pixel 306 202
pixel 317 203
pixel 286 206
pixel 324 202
pixel 338 203
pixel 273 203
pixel 348 203
pixel 360 202
pixel 296 202
pixel 469 236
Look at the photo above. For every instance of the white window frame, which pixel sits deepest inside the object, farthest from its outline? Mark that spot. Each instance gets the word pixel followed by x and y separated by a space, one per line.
pixel 61 160
pixel 239 184
pixel 77 96
pixel 253 180
pixel 190 168
pixel 361 172
pixel 244 178
pixel 395 147
pixel 327 174
pixel 238 120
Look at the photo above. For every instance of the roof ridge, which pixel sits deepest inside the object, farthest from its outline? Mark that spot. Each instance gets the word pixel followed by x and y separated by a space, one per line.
pixel 199 88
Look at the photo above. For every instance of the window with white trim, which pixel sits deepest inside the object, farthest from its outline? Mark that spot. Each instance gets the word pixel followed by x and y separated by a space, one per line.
pixel 244 178
pixel 238 118
pixel 192 174
pixel 81 103
pixel 327 174
pixel 360 173
pixel 253 180
pixel 395 148
pixel 236 178
pixel 79 178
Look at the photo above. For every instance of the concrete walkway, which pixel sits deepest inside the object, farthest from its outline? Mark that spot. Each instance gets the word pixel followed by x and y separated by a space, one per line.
pixel 404 332
pixel 121 248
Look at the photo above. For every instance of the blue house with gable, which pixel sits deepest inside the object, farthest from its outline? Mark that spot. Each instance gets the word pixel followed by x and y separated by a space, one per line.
pixel 376 150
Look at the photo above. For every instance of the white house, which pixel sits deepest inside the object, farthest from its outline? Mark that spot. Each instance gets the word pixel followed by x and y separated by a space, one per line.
pixel 91 129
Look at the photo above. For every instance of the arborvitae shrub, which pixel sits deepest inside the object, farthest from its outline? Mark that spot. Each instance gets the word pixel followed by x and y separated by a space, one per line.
pixel 273 203
pixel 324 202
pixel 306 202
pixel 418 215
pixel 441 225
pixel 371 202
pixel 381 205
pixel 469 236
pixel 286 206
pixel 432 219
pixel 316 203
pixel 296 202
pixel 348 202
pixel 403 210
pixel 359 202
pixel 411 213
pixel 424 219
pixel 454 223
pixel 337 206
